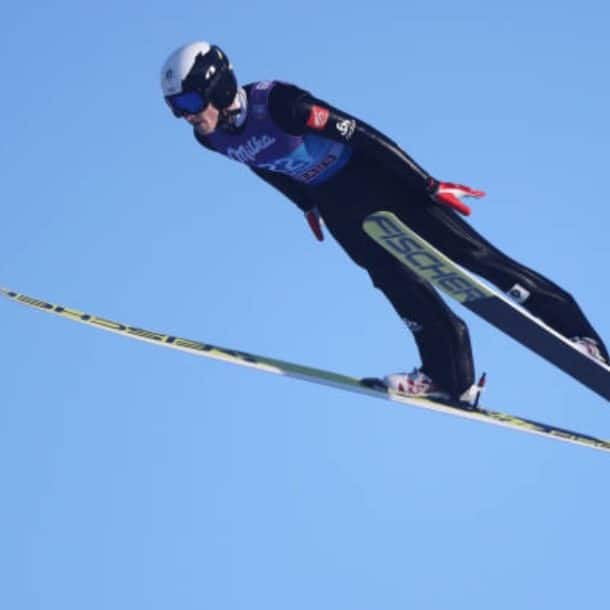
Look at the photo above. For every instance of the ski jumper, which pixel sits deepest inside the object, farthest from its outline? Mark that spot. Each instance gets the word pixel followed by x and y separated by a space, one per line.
pixel 321 157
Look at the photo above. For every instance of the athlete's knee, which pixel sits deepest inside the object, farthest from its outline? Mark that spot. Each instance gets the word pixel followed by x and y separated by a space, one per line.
pixel 390 277
pixel 442 326
pixel 456 330
pixel 460 328
pixel 474 258
pixel 549 296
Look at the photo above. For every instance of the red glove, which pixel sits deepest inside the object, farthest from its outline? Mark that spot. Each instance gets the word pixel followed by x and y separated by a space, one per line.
pixel 451 195
pixel 315 224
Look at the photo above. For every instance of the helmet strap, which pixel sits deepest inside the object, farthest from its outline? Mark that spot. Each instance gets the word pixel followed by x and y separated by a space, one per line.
pixel 233 117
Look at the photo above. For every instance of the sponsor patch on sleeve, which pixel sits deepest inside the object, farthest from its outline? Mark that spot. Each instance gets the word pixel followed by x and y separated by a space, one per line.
pixel 318 117
pixel 346 128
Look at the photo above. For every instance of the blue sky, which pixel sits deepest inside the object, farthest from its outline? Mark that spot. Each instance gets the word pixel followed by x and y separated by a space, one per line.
pixel 136 477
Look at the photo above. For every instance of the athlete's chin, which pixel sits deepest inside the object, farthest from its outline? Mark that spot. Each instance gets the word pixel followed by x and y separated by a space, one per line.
pixel 204 129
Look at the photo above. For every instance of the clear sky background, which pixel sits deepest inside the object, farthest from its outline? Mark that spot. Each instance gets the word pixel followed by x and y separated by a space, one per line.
pixel 136 477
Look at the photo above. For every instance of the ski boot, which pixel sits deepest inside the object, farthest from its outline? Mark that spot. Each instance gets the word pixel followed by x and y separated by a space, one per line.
pixel 415 383
pixel 418 384
pixel 589 347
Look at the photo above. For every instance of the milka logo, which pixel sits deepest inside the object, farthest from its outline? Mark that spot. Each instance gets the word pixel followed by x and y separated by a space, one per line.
pixel 247 152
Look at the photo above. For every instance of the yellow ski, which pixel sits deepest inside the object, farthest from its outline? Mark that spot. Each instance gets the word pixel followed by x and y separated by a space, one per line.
pixel 431 264
pixel 306 373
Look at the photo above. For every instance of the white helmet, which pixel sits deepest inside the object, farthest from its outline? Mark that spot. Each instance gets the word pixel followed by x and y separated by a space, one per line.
pixel 202 69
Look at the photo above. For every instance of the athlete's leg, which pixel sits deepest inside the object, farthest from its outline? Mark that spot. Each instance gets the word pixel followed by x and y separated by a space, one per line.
pixel 441 337
pixel 458 240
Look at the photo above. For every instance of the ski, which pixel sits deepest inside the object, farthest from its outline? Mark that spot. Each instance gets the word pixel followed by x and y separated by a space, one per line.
pixel 428 262
pixel 306 373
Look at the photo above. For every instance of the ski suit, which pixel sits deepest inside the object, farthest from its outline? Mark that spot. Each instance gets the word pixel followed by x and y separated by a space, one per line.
pixel 321 157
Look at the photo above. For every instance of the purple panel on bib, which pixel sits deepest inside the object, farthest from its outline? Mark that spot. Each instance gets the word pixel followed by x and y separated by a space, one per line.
pixel 261 143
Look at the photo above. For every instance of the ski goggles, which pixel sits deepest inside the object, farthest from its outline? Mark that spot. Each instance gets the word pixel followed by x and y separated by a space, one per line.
pixel 189 102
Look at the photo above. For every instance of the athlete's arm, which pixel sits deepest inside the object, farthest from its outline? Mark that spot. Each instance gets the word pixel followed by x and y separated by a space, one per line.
pixel 294 190
pixel 297 193
pixel 291 188
pixel 298 112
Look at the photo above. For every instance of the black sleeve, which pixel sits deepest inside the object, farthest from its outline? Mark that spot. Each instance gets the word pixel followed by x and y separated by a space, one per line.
pixel 295 191
pixel 298 112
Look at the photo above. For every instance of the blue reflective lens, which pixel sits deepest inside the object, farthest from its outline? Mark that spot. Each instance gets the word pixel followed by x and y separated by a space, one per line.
pixel 190 102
